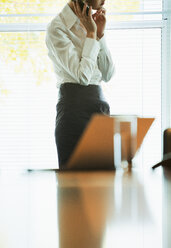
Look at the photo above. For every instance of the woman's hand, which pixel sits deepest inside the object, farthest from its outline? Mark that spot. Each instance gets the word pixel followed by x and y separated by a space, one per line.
pixel 100 19
pixel 86 20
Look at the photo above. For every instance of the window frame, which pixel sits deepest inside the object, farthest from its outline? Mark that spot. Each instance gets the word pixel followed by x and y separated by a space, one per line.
pixel 164 24
pixel 166 65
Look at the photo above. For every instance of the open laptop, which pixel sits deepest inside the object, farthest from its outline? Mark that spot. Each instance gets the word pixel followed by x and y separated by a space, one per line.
pixel 97 146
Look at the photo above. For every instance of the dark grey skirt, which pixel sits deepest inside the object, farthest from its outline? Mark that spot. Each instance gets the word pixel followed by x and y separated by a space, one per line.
pixel 75 107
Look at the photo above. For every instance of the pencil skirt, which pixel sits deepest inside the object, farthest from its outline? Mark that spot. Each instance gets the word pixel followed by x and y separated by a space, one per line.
pixel 75 107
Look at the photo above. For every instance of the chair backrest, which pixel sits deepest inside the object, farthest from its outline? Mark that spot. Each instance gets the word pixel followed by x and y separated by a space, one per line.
pixel 167 141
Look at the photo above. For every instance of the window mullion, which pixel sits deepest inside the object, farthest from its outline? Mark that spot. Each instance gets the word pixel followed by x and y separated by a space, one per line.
pixel 24 27
pixel 135 24
pixel 166 65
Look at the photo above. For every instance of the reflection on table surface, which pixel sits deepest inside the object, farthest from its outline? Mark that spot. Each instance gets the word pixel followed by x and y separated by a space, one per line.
pixel 83 209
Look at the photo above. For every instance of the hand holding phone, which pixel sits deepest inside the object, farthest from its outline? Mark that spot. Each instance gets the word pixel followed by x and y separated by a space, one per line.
pixel 86 20
pixel 81 4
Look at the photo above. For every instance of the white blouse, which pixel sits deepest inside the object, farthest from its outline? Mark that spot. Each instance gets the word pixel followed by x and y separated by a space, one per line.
pixel 76 58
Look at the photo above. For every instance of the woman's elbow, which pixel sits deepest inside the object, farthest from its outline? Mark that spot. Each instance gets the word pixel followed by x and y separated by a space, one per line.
pixel 109 74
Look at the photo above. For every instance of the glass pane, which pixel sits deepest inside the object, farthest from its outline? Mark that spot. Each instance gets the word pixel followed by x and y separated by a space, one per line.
pixel 45 6
pixel 135 88
pixel 30 6
pixel 52 7
pixel 28 93
pixel 27 102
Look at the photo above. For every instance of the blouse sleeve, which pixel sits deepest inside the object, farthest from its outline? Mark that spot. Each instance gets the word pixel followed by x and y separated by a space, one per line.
pixel 105 62
pixel 66 55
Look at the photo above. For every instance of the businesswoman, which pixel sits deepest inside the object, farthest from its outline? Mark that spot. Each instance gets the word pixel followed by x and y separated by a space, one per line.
pixel 77 47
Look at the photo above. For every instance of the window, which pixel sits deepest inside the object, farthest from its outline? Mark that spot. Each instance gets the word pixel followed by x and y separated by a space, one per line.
pixel 137 36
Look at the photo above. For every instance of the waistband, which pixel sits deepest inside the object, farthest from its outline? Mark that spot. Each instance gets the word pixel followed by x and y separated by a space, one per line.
pixel 74 90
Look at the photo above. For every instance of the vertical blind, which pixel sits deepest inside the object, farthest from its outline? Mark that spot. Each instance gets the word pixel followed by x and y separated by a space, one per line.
pixel 28 93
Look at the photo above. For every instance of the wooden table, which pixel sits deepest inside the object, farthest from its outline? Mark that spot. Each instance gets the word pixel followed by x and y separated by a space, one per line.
pixel 100 209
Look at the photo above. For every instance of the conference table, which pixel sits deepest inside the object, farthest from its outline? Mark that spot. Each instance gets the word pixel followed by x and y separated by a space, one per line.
pixel 85 209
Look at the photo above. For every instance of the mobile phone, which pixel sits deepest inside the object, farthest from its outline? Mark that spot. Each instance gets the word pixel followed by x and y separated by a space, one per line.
pixel 81 3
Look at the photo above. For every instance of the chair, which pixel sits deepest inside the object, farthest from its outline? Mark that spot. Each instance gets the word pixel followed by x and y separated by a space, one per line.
pixel 166 149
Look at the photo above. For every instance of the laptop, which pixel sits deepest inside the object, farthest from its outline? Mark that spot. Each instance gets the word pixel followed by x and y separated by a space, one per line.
pixel 104 135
